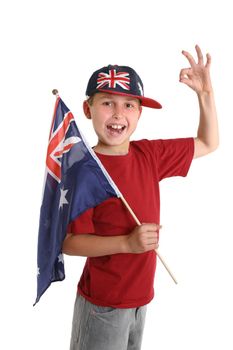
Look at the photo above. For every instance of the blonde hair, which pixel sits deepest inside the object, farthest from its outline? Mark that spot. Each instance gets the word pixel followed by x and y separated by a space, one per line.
pixel 90 100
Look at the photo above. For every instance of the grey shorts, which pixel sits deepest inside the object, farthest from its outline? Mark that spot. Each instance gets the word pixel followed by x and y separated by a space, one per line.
pixel 106 328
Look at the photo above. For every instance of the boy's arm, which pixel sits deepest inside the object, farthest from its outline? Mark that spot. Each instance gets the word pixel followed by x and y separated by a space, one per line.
pixel 92 245
pixel 197 77
pixel 142 239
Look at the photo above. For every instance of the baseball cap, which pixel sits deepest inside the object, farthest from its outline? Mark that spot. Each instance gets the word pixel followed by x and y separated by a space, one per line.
pixel 119 80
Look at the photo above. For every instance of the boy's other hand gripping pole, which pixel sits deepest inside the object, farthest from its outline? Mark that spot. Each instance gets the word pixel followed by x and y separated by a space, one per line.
pixel 156 250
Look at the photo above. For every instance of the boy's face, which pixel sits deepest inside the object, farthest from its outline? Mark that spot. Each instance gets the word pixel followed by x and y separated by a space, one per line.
pixel 114 119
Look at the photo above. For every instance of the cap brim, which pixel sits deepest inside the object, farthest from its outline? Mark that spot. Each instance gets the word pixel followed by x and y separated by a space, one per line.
pixel 145 101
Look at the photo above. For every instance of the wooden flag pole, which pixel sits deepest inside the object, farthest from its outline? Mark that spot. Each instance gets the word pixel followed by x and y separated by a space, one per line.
pixel 156 250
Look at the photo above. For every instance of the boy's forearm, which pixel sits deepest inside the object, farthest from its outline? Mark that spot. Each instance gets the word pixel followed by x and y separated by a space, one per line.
pixel 207 135
pixel 93 246
pixel 197 77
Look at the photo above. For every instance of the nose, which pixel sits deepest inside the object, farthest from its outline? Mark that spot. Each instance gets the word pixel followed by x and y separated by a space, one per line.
pixel 117 112
pixel 116 116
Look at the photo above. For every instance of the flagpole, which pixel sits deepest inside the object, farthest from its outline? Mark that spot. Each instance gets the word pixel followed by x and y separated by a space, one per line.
pixel 156 250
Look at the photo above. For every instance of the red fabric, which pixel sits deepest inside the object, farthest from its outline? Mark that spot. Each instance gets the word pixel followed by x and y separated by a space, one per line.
pixel 126 280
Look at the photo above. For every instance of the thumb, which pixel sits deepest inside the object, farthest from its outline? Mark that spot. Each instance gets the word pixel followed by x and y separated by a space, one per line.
pixel 186 81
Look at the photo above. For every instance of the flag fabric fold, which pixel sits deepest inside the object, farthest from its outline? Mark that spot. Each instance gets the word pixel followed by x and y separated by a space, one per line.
pixel 75 181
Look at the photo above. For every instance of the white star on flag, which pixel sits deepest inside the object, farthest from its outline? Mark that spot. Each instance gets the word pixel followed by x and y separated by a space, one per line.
pixel 60 258
pixel 63 199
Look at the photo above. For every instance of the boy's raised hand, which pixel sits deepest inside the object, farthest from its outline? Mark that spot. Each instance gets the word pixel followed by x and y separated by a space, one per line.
pixel 197 77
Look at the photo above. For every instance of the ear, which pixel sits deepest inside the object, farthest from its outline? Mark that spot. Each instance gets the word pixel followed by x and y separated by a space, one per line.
pixel 86 109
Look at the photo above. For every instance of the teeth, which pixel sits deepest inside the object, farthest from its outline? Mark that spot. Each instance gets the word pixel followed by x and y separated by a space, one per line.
pixel 115 126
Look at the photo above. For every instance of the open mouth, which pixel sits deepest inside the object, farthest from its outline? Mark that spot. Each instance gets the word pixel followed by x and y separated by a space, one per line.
pixel 116 128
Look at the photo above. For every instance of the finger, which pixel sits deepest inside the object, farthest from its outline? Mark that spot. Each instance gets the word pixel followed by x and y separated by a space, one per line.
pixel 150 239
pixel 151 227
pixel 153 246
pixel 199 54
pixel 185 72
pixel 153 231
pixel 186 81
pixel 151 242
pixel 152 235
pixel 208 62
pixel 189 58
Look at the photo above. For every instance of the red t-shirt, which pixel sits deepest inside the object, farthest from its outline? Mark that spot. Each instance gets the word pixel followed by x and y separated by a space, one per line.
pixel 126 280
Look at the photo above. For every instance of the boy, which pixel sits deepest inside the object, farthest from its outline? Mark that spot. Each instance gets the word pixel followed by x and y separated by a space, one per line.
pixel 117 281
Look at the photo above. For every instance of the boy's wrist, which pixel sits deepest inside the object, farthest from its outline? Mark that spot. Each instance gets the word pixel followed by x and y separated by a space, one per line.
pixel 125 247
pixel 205 94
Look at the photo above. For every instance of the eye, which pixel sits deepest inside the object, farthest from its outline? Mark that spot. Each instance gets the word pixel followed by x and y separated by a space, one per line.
pixel 107 103
pixel 129 105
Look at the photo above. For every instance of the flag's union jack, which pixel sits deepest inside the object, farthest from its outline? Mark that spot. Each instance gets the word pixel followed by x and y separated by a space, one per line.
pixel 59 143
pixel 112 79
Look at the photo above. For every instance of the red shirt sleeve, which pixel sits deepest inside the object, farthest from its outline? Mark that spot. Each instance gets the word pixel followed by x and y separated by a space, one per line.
pixel 173 157
pixel 83 224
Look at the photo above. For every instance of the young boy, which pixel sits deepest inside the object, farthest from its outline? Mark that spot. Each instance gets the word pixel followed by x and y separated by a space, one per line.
pixel 117 281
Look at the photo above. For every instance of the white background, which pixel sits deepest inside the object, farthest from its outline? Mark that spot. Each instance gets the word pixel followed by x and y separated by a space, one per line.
pixel 58 44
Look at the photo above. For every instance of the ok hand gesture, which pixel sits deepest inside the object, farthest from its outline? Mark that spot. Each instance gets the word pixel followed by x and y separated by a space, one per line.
pixel 197 77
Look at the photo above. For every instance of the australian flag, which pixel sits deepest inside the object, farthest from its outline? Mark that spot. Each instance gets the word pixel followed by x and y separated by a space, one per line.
pixel 75 181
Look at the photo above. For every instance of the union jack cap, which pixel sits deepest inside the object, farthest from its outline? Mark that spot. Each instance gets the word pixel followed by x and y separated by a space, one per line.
pixel 119 80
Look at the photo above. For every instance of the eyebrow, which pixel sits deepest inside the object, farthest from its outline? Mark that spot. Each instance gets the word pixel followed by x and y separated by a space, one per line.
pixel 104 96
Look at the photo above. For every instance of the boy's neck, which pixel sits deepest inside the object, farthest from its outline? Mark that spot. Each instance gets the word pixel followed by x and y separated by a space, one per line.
pixel 118 150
